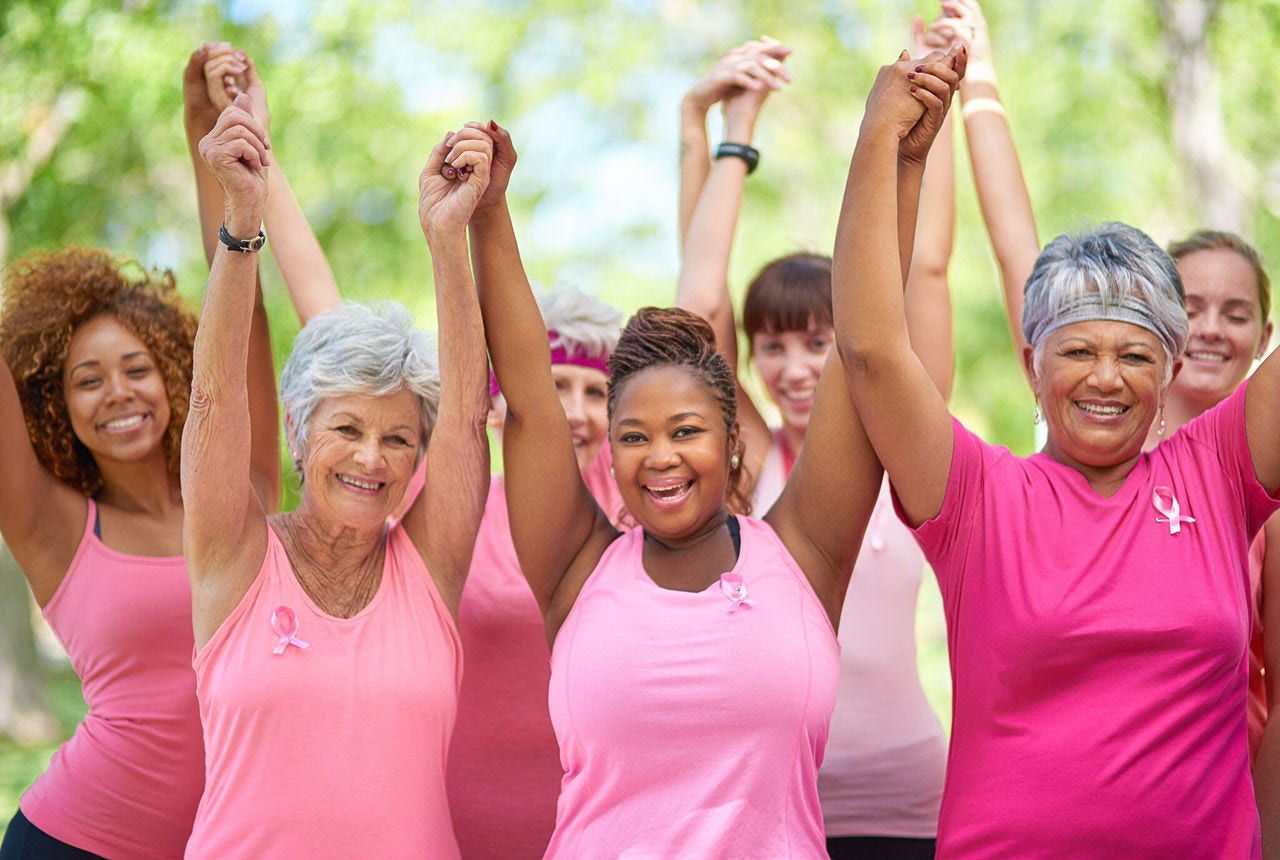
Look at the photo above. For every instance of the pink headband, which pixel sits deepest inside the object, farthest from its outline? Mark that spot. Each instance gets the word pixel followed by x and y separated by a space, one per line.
pixel 560 355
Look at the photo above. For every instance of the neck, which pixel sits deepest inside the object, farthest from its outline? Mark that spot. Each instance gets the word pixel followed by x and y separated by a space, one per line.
pixel 691 563
pixel 1104 480
pixel 1178 410
pixel 334 548
pixel 794 437
pixel 145 488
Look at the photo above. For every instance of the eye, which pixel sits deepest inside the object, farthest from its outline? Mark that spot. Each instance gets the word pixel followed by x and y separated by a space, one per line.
pixel 138 371
pixel 1078 352
pixel 597 393
pixel 771 347
pixel 821 343
pixel 397 439
pixel 1137 358
pixel 347 431
pixel 632 438
pixel 88 382
pixel 685 432
pixel 1240 319
pixel 1192 314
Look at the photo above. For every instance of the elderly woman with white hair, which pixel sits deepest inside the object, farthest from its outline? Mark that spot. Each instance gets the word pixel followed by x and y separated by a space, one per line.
pixel 504 763
pixel 327 657
pixel 1097 596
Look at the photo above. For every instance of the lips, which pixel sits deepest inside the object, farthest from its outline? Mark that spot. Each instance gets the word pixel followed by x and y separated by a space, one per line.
pixel 361 484
pixel 1101 409
pixel 1207 356
pixel 122 424
pixel 671 492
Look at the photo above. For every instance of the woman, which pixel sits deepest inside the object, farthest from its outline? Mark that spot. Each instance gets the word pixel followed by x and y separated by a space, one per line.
pixel 330 625
pixel 1095 593
pixel 881 779
pixel 699 635
pixel 504 765
pixel 98 358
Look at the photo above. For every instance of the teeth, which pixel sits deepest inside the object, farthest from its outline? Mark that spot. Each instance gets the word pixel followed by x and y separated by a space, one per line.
pixel 123 423
pixel 356 482
pixel 667 493
pixel 1098 409
pixel 1207 356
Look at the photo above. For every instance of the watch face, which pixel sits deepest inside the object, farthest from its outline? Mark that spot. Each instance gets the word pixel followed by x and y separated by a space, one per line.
pixel 256 243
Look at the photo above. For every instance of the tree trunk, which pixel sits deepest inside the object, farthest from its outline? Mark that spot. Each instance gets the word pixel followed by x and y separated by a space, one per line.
pixel 1216 176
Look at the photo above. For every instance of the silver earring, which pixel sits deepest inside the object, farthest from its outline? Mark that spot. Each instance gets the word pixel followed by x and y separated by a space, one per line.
pixel 1036 417
pixel 612 474
pixel 1160 429
pixel 735 461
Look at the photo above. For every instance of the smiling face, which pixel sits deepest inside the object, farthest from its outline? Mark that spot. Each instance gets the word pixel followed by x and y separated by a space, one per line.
pixel 1227 329
pixel 584 395
pixel 1100 385
pixel 789 364
pixel 360 455
pixel 671 452
pixel 115 393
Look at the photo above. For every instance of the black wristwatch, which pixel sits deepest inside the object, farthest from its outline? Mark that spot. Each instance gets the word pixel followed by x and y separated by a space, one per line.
pixel 746 152
pixel 244 246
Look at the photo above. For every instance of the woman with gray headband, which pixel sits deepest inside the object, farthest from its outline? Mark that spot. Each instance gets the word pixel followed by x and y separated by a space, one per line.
pixel 1096 595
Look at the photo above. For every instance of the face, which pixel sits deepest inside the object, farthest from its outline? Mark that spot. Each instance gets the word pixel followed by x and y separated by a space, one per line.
pixel 360 454
pixel 789 364
pixel 115 393
pixel 671 452
pixel 584 394
pixel 1227 328
pixel 1100 386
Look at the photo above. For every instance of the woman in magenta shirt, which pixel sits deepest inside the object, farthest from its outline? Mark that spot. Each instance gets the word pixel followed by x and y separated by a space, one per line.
pixel 1097 595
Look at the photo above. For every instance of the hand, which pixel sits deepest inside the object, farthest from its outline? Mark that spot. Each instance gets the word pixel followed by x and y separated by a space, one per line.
pixel 238 153
pixel 933 82
pixel 454 180
pixel 199 113
pixel 500 169
pixel 962 20
pixel 224 69
pixel 752 66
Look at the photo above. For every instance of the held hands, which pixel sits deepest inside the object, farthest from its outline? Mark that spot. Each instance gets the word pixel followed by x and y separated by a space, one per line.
pixel 500 169
pixel 910 99
pixel 238 153
pixel 228 73
pixel 454 180
pixel 961 21
pixel 752 67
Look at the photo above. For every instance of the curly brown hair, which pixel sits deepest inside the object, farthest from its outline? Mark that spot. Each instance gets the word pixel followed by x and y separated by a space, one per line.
pixel 44 298
pixel 658 336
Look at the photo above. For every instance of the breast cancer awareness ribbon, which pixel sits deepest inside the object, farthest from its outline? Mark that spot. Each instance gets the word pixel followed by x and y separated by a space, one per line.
pixel 735 588
pixel 1166 503
pixel 285 624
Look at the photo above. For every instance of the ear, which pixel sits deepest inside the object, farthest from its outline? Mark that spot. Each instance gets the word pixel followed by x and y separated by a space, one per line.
pixel 1267 331
pixel 1029 364
pixel 290 434
pixel 735 440
pixel 1177 368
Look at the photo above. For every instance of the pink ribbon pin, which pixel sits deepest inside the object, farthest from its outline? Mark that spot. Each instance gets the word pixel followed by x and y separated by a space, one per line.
pixel 1166 503
pixel 735 588
pixel 285 624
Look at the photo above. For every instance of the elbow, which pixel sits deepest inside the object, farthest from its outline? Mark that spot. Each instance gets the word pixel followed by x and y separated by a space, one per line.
pixel 856 356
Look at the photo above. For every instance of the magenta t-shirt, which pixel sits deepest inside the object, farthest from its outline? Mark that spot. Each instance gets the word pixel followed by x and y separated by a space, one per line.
pixel 1099 660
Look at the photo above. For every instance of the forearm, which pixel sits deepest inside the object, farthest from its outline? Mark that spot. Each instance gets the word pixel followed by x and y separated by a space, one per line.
pixel 928 299
pixel 464 367
pixel 209 202
pixel 704 275
pixel 307 275
pixel 695 160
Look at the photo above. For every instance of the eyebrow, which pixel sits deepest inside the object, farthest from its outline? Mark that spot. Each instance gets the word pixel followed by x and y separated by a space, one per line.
pixel 93 362
pixel 352 418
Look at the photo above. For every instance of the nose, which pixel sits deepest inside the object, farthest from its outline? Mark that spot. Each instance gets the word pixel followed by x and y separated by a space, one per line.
pixel 661 455
pixel 1106 374
pixel 573 408
pixel 795 366
pixel 1208 325
pixel 369 455
pixel 118 387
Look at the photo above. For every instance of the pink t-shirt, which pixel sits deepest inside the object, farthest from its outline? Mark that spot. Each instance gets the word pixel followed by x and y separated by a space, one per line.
pixel 337 749
pixel 1100 660
pixel 1257 657
pixel 692 724
pixel 504 763
pixel 127 782
pixel 887 756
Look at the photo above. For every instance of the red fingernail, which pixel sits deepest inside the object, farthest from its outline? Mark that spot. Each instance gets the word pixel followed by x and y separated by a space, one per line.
pixel 911 74
pixel 919 68
pixel 493 126
pixel 913 89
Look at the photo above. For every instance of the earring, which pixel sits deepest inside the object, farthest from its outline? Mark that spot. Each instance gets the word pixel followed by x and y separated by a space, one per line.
pixel 735 461
pixel 1036 417
pixel 1160 429
pixel 612 474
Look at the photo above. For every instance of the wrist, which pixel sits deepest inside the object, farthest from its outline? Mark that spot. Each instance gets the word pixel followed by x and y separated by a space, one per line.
pixel 744 153
pixel 243 222
pixel 693 107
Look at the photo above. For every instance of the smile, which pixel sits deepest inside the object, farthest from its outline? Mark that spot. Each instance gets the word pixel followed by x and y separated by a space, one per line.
pixel 671 494
pixel 1102 410
pixel 122 425
pixel 367 486
pixel 1213 357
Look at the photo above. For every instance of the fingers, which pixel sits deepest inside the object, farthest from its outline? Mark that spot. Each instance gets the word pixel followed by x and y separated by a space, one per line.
pixel 238 121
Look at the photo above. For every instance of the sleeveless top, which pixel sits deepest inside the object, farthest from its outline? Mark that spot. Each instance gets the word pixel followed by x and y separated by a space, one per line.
pixel 127 782
pixel 693 724
pixel 887 755
pixel 327 737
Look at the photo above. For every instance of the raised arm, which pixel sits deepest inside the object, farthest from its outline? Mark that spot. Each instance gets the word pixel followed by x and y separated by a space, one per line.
pixel 1262 417
pixel 559 535
pixel 444 519
pixel 1266 767
pixel 750 66
pixel 997 173
pixel 204 97
pixel 749 74
pixel 224 527
pixel 902 410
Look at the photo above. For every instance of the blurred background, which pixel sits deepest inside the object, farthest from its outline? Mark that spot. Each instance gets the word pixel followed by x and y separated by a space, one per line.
pixel 1161 113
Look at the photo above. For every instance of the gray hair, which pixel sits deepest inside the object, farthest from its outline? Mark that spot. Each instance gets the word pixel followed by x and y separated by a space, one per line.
pixel 359 349
pixel 1116 272
pixel 583 324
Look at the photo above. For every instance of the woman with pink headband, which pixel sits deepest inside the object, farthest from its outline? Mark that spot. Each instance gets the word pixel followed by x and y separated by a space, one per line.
pixel 1096 593
pixel 504 764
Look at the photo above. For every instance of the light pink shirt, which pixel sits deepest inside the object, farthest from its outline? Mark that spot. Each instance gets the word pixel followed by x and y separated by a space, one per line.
pixel 1100 661
pixel 504 763
pixel 337 749
pixel 887 756
pixel 127 782
pixel 692 724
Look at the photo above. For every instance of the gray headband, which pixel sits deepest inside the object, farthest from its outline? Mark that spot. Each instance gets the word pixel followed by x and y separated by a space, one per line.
pixel 1090 306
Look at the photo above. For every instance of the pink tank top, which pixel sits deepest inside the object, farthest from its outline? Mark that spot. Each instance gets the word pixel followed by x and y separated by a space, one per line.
pixel 336 748
pixel 887 756
pixel 693 724
pixel 127 782
pixel 504 763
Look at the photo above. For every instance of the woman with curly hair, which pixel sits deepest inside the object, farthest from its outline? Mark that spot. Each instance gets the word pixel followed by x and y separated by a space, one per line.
pixel 98 362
